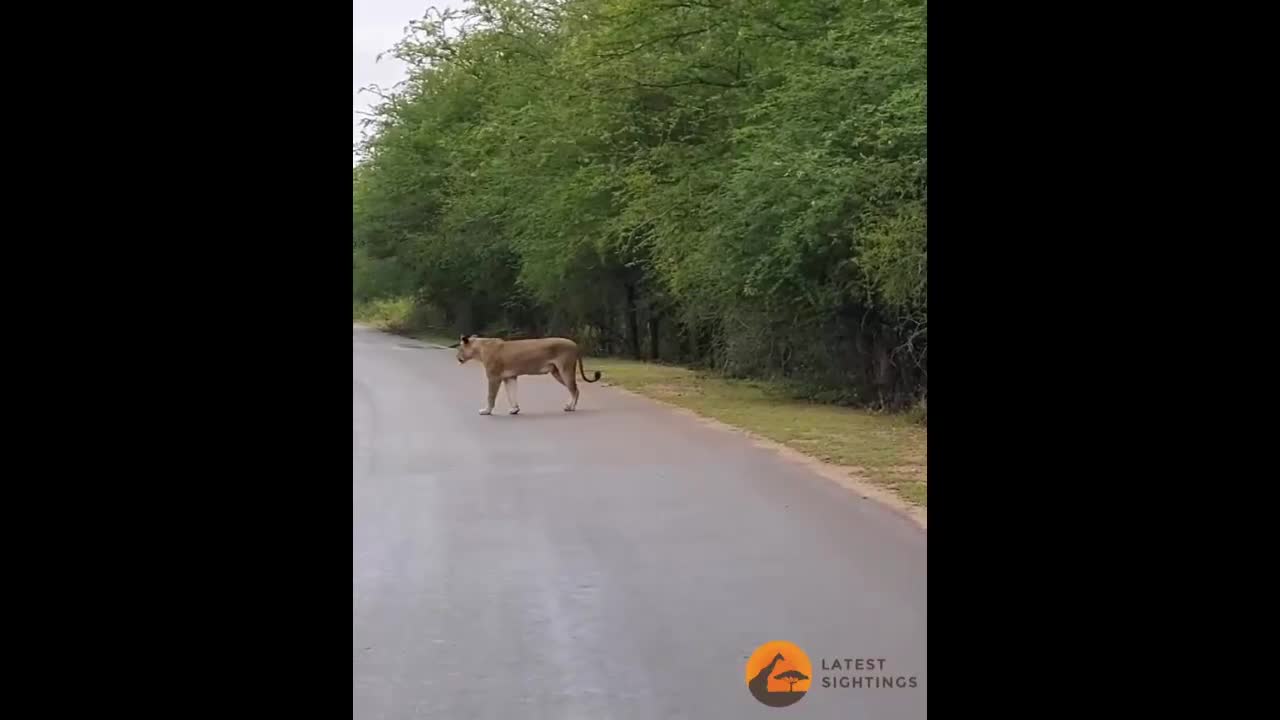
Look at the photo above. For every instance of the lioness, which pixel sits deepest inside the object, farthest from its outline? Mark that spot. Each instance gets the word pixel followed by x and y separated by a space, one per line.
pixel 505 360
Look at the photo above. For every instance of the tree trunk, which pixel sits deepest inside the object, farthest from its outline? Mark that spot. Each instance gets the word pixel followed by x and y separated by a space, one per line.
pixel 707 344
pixel 464 317
pixel 633 322
pixel 653 336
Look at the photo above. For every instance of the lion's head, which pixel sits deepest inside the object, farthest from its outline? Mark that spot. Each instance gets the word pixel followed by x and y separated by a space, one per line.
pixel 468 348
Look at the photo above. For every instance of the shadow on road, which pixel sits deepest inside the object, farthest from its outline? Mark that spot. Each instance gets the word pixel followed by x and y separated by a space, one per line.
pixel 528 415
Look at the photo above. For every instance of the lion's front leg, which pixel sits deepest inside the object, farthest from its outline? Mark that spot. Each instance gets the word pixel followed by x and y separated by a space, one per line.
pixel 494 382
pixel 510 384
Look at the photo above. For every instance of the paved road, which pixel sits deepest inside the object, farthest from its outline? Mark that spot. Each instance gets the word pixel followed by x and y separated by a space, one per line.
pixel 617 562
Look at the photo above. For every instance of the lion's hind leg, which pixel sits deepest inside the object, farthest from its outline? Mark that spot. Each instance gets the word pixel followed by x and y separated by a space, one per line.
pixel 571 382
pixel 564 376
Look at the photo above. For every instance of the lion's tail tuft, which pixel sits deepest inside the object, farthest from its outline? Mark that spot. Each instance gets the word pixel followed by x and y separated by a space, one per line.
pixel 583 370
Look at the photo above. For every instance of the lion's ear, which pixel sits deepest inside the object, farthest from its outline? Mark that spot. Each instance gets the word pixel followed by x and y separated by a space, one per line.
pixel 464 339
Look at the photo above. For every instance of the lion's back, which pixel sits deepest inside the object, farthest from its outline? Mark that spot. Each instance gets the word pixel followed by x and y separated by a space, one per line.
pixel 526 354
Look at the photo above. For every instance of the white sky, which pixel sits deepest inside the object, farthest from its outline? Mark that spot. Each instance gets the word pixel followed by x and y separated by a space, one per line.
pixel 376 25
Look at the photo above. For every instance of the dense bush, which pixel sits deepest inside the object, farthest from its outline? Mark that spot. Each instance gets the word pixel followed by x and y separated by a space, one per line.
pixel 739 184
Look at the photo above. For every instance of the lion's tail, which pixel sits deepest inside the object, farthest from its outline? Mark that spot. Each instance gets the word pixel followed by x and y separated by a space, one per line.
pixel 583 371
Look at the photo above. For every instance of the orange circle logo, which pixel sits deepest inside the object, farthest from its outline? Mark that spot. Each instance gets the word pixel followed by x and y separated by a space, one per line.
pixel 778 673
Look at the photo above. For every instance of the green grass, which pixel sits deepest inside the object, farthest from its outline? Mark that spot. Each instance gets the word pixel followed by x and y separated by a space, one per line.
pixel 393 315
pixel 889 450
pixel 401 317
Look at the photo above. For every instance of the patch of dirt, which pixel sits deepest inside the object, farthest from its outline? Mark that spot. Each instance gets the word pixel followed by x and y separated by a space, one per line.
pixel 851 477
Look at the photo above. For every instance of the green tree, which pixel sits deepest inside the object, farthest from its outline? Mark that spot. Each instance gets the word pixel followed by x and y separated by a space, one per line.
pixel 736 183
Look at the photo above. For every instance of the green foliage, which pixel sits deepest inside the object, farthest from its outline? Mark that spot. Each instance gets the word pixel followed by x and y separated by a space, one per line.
pixel 742 183
pixel 385 313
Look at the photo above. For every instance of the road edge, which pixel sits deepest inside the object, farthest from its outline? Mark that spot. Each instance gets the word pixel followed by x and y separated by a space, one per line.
pixel 841 475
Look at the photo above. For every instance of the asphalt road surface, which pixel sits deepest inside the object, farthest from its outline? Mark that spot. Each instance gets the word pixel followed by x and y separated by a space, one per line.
pixel 621 561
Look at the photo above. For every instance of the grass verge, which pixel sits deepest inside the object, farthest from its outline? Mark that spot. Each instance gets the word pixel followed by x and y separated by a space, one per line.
pixel 401 317
pixel 887 450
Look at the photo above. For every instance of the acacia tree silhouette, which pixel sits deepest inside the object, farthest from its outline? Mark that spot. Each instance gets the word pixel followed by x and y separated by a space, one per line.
pixel 791 676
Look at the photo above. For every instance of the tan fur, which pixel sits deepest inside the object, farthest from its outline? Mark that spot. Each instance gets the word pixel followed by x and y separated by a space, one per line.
pixel 506 360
